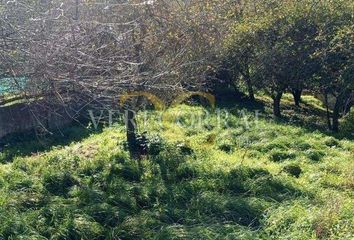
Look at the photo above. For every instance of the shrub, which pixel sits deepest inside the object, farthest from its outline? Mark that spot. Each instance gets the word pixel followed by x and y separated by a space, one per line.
pixel 226 146
pixel 315 155
pixel 347 125
pixel 303 146
pixel 185 149
pixel 279 155
pixel 293 169
pixel 332 142
pixel 156 145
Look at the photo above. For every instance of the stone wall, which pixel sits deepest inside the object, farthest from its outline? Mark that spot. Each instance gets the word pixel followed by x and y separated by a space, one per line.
pixel 22 117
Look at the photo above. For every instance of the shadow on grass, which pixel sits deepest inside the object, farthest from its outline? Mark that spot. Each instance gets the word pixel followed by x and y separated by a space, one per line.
pixel 28 143
pixel 310 119
pixel 239 101
pixel 188 196
pixel 116 198
pixel 306 116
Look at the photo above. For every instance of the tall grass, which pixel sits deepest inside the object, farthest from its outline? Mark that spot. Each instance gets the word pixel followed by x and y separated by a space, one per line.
pixel 263 180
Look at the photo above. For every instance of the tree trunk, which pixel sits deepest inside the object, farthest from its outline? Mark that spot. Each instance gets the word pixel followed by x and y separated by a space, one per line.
pixel 297 96
pixel 348 103
pixel 276 104
pixel 131 134
pixel 249 84
pixel 250 89
pixel 328 113
pixel 336 115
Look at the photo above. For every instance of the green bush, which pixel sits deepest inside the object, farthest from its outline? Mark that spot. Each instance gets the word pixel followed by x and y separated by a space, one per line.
pixel 293 169
pixel 303 146
pixel 347 125
pixel 226 146
pixel 156 145
pixel 185 149
pixel 315 155
pixel 331 142
pixel 279 155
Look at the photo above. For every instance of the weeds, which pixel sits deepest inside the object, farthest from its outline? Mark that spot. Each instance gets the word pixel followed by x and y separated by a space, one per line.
pixel 271 181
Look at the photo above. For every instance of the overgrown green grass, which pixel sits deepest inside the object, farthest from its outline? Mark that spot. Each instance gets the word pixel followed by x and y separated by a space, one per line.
pixel 254 179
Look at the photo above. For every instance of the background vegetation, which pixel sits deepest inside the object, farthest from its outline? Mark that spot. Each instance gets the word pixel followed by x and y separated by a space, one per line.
pixel 286 173
pixel 81 53
pixel 261 180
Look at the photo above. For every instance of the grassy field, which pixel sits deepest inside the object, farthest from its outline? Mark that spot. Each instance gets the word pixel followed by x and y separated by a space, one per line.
pixel 252 178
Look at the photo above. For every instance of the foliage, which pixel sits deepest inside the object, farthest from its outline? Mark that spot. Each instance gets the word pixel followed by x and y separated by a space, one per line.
pixel 348 123
pixel 291 46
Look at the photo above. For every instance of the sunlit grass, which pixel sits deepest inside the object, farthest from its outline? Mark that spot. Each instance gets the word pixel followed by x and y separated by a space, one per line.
pixel 263 180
